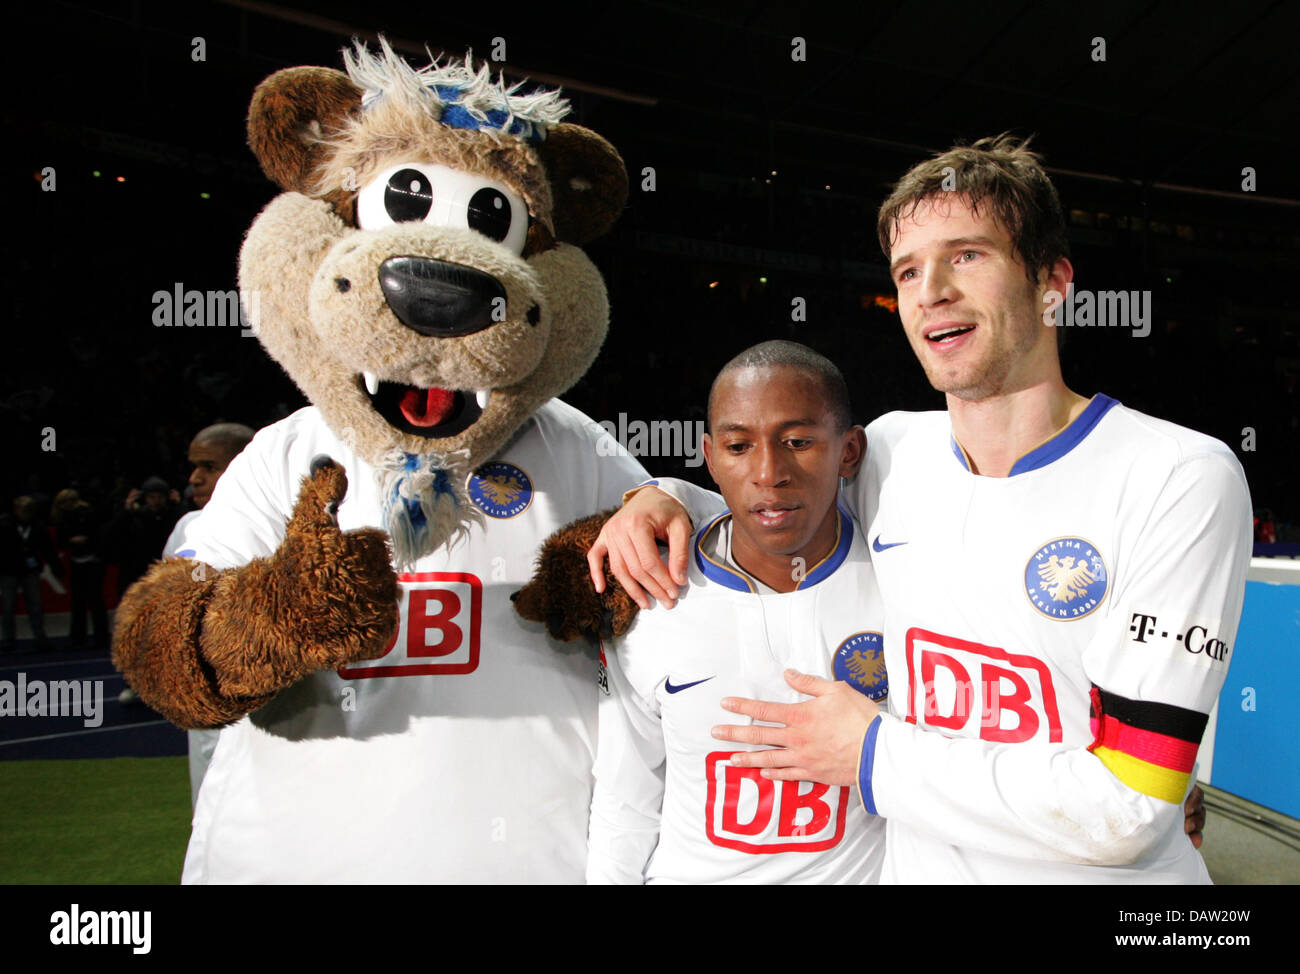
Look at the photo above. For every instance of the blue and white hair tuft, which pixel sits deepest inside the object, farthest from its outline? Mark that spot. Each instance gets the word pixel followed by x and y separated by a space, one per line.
pixel 425 505
pixel 455 93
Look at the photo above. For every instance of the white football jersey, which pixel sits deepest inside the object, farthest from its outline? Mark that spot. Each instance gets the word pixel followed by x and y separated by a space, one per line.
pixel 1065 631
pixel 201 743
pixel 1054 641
pixel 668 807
pixel 463 755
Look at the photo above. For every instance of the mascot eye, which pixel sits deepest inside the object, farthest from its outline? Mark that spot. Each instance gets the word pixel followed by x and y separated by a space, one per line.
pixel 414 192
pixel 408 196
pixel 489 213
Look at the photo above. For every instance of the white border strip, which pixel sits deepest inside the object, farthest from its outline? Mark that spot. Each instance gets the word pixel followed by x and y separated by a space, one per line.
pixel 89 730
pixel 1277 571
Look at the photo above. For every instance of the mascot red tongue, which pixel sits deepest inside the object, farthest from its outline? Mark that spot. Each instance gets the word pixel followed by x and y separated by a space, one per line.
pixel 427 407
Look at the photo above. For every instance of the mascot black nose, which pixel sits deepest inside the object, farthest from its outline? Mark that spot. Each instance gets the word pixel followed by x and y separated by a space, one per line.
pixel 434 297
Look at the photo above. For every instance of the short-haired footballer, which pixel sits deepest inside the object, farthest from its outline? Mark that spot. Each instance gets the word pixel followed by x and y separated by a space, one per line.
pixel 781 579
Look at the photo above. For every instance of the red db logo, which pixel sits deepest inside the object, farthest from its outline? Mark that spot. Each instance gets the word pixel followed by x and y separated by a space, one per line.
pixel 441 615
pixel 970 690
pixel 749 813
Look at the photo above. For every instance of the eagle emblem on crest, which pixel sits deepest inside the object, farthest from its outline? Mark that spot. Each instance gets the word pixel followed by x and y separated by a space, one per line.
pixel 501 489
pixel 1066 578
pixel 860 662
pixel 866 667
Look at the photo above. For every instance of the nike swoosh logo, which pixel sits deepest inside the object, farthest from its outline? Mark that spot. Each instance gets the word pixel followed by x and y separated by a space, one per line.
pixel 877 546
pixel 668 684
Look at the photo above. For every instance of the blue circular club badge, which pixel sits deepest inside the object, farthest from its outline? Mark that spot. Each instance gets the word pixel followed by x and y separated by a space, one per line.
pixel 860 662
pixel 500 489
pixel 1066 578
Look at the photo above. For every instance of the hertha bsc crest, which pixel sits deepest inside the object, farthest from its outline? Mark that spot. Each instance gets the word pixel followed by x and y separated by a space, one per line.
pixel 500 489
pixel 860 662
pixel 1066 578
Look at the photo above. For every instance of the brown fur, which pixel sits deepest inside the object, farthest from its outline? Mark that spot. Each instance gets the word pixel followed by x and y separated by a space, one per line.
pixel 324 599
pixel 588 181
pixel 539 239
pixel 560 593
pixel 156 628
pixel 293 115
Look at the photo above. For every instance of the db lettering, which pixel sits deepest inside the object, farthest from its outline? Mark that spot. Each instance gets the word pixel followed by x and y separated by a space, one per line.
pixel 440 617
pixel 972 690
pixel 749 813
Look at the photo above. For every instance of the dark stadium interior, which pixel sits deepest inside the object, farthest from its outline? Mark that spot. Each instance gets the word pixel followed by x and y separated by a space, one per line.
pixel 767 174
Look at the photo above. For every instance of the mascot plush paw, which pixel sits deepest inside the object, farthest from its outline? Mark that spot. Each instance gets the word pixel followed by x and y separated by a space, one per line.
pixel 322 600
pixel 420 277
pixel 560 594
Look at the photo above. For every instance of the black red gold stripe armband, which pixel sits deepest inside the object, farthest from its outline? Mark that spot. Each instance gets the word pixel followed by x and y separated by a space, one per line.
pixel 1151 747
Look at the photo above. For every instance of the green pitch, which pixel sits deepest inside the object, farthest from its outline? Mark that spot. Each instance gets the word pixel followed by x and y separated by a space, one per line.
pixel 107 820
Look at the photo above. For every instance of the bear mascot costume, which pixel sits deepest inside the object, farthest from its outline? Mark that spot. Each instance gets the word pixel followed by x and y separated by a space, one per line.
pixel 342 605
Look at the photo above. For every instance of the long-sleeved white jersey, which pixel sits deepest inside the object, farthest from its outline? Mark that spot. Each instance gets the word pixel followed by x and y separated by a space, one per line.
pixel 201 743
pixel 464 755
pixel 668 808
pixel 1054 640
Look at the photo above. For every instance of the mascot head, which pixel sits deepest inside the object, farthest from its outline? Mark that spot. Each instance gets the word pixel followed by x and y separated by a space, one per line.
pixel 419 278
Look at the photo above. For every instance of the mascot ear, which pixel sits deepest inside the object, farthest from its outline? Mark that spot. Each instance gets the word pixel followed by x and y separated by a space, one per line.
pixel 588 182
pixel 292 113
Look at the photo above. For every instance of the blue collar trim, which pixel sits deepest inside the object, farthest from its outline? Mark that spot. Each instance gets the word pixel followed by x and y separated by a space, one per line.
pixel 959 453
pixel 826 567
pixel 715 571
pixel 728 577
pixel 1060 444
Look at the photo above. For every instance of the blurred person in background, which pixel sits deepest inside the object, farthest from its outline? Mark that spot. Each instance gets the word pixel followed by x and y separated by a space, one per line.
pixel 137 533
pixel 25 550
pixel 77 529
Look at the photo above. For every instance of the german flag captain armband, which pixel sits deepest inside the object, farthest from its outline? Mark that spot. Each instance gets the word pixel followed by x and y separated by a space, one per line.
pixel 1151 747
